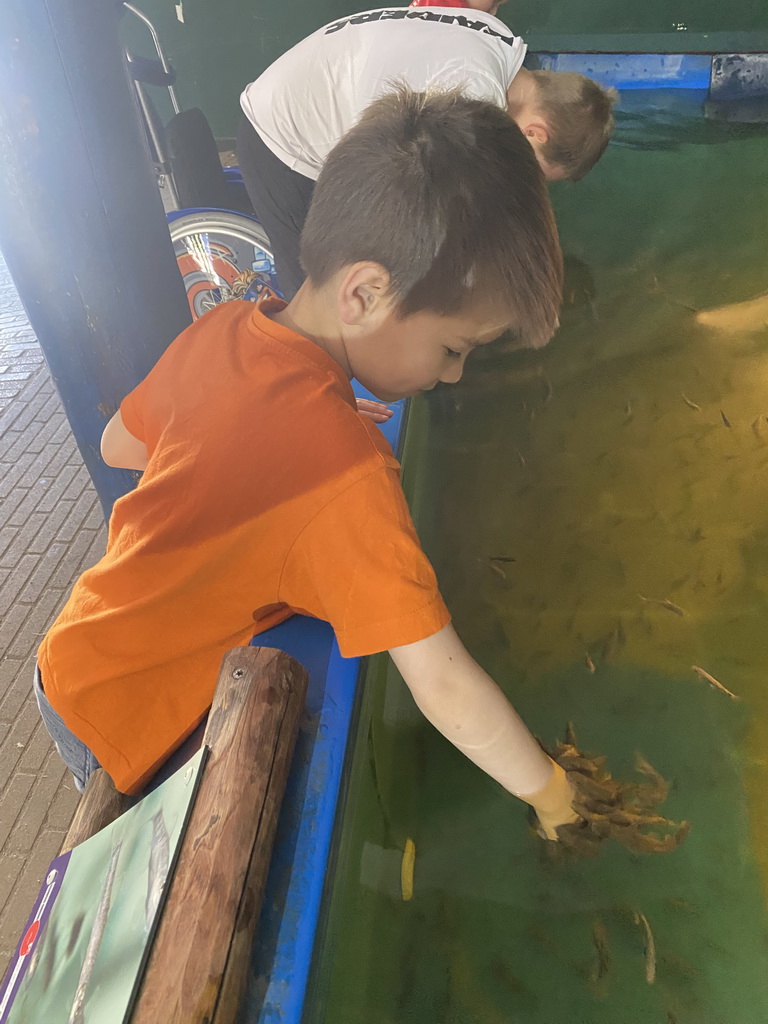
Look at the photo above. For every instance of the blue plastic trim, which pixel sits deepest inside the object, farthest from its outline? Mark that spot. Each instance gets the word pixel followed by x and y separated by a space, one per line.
pixel 283 949
pixel 635 71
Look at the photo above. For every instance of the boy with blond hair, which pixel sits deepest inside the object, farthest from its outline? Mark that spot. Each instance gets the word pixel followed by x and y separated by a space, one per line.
pixel 300 107
pixel 265 493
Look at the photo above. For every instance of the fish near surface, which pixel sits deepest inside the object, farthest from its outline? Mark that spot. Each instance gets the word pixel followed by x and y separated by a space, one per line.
pixel 702 674
pixel 663 603
pixel 650 947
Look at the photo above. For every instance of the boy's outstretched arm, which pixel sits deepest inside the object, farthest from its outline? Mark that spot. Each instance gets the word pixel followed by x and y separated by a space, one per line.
pixel 120 449
pixel 462 701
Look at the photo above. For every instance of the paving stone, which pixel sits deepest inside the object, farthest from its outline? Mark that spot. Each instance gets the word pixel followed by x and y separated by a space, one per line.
pixel 15 741
pixel 46 782
pixel 54 488
pixel 11 473
pixel 83 507
pixel 80 482
pixel 64 804
pixel 10 626
pixel 45 566
pixel 9 505
pixel 15 692
pixel 38 619
pixel 36 750
pixel 13 799
pixel 10 869
pixel 24 535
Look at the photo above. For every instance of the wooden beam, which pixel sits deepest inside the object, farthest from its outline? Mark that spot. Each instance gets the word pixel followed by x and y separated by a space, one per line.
pixel 199 960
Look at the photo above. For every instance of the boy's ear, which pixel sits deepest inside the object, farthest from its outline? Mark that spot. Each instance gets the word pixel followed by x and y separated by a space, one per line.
pixel 538 130
pixel 363 293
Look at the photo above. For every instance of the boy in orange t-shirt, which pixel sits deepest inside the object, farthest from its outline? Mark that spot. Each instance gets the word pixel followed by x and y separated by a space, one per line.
pixel 265 493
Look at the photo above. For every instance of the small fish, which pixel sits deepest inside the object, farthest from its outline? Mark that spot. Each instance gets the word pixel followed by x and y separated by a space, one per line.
pixel 756 428
pixel 548 392
pixel 502 558
pixel 675 609
pixel 570 734
pixel 724 418
pixel 647 842
pixel 588 662
pixel 713 682
pixel 690 404
pixel 600 940
pixel 520 457
pixel 659 790
pixel 578 763
pixel 628 409
pixel 406 870
pixel 498 570
pixel 650 948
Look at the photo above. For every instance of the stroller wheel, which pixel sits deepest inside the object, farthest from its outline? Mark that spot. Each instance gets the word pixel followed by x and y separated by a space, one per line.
pixel 221 256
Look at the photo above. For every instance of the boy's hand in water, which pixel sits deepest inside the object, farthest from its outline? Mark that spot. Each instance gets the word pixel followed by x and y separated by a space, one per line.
pixel 376 411
pixel 553 804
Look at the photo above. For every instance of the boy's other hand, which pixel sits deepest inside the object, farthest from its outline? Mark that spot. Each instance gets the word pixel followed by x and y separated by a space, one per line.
pixel 376 411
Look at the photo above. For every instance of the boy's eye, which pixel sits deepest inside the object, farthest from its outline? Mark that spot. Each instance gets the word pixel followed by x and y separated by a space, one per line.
pixel 451 353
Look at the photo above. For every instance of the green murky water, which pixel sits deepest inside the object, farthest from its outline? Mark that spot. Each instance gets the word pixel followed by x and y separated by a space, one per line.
pixel 629 458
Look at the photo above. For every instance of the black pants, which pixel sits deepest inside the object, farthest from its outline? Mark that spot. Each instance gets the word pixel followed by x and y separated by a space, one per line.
pixel 281 200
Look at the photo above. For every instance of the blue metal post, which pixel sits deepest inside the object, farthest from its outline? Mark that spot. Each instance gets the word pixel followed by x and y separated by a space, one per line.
pixel 82 226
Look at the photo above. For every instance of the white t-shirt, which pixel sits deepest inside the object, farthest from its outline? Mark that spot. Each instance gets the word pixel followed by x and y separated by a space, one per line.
pixel 312 95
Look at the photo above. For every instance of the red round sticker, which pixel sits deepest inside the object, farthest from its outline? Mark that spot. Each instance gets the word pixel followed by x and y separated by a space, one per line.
pixel 29 939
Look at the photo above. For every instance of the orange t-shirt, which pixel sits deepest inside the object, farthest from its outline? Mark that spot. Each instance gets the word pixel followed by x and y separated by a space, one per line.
pixel 266 493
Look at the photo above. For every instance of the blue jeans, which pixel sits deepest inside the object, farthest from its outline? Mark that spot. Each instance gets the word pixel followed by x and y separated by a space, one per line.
pixel 73 752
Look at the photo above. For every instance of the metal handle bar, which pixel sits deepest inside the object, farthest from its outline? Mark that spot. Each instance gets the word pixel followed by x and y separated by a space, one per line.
pixel 158 49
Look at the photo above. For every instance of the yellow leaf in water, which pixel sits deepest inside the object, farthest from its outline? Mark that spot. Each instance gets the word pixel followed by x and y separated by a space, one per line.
pixel 406 869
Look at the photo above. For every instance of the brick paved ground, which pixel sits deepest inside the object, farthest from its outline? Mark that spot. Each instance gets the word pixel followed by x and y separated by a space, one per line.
pixel 51 527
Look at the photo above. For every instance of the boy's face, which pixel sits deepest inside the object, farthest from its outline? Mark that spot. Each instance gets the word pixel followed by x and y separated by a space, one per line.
pixel 401 356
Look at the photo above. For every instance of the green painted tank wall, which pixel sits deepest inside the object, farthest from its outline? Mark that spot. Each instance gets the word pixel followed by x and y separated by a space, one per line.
pixel 224 44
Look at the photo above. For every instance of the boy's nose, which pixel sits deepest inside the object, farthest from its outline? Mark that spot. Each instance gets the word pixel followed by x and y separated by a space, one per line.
pixel 453 374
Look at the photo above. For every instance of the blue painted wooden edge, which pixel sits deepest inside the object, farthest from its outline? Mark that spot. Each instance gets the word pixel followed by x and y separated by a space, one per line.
pixel 282 952
pixel 635 71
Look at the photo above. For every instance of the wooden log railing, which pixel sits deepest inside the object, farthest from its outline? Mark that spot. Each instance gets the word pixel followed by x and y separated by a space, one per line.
pixel 198 962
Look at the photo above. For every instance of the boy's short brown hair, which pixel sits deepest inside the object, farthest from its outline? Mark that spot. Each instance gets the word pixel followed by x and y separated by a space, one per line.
pixel 446 194
pixel 579 114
